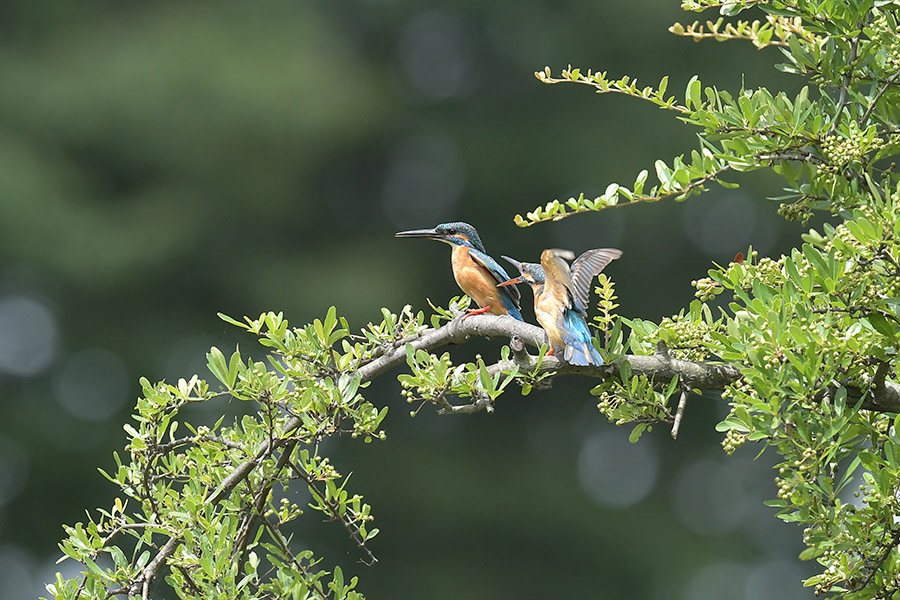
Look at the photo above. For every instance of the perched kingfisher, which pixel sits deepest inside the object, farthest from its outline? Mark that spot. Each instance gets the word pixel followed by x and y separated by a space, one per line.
pixel 561 296
pixel 476 273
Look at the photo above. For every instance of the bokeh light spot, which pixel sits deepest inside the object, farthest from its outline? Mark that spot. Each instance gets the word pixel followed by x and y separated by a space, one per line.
pixel 436 54
pixel 776 579
pixel 714 581
pixel 30 336
pixel 712 497
pixel 16 568
pixel 13 473
pixel 614 471
pixel 92 385
pixel 721 224
pixel 424 181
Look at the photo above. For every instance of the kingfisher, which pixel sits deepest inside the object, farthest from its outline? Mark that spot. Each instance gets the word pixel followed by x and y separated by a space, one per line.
pixel 475 272
pixel 561 296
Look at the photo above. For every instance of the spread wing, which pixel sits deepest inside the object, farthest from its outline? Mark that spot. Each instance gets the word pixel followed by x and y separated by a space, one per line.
pixel 584 269
pixel 497 272
pixel 556 268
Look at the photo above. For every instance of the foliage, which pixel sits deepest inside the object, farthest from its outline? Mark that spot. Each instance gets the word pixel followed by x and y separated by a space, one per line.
pixel 814 334
pixel 219 496
pixel 810 338
pixel 829 145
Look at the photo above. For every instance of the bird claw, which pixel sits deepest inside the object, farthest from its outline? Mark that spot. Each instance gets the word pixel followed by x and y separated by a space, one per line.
pixel 476 311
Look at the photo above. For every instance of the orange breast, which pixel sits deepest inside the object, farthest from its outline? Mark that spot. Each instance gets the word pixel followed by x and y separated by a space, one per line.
pixel 476 281
pixel 548 311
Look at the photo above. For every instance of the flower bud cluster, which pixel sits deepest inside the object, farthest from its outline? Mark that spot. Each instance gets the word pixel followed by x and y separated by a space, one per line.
pixel 418 388
pixel 796 211
pixel 785 488
pixel 834 572
pixel 707 289
pixel 690 337
pixel 842 151
pixel 733 440
pixel 892 58
pixel 607 404
pixel 741 389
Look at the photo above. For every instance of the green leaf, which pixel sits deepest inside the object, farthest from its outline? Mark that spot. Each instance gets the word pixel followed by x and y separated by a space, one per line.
pixel 215 361
pixel 881 324
pixel 635 434
pixel 625 371
pixel 228 319
pixel 692 94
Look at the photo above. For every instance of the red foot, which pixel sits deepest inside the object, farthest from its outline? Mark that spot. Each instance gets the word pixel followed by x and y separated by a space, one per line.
pixel 476 311
pixel 550 352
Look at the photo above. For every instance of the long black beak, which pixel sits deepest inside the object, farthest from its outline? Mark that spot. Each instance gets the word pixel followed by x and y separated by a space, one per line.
pixel 421 233
pixel 516 263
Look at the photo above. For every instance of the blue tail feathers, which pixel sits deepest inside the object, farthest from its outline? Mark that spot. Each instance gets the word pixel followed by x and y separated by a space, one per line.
pixel 511 308
pixel 579 349
pixel 582 354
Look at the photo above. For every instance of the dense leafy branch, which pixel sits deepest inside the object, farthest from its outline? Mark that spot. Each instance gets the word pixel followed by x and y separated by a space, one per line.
pixel 805 347
pixel 814 334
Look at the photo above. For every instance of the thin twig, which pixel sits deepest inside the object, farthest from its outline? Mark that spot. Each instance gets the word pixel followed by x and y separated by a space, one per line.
pixel 335 515
pixel 848 77
pixel 679 413
pixel 276 535
pixel 155 565
pixel 796 155
pixel 660 367
pixel 884 88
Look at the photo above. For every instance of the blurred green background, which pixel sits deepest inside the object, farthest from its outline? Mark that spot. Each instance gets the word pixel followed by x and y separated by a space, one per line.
pixel 162 161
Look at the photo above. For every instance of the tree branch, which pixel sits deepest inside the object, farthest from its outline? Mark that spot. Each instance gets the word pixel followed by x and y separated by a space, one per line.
pixel 660 367
pixel 887 84
pixel 848 77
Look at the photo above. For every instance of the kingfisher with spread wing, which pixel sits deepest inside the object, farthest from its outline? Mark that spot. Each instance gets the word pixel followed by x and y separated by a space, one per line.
pixel 476 273
pixel 561 296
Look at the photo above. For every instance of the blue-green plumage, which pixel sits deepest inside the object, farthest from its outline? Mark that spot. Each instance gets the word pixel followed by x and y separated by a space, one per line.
pixel 560 299
pixel 476 273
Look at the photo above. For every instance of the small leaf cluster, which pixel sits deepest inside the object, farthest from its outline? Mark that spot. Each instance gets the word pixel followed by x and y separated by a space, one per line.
pixel 830 142
pixel 774 32
pixel 686 335
pixel 635 400
pixel 814 333
pixel 639 400
pixel 606 303
pixel 209 506
pixel 433 378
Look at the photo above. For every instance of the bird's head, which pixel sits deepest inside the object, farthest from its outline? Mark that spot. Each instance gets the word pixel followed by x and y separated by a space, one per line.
pixel 455 234
pixel 530 273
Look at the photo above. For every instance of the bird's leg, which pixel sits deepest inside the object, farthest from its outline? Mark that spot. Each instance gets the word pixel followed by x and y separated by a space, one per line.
pixel 550 352
pixel 477 311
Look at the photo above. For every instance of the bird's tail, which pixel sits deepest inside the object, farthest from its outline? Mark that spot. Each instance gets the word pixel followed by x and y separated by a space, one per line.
pixel 511 308
pixel 582 354
pixel 514 312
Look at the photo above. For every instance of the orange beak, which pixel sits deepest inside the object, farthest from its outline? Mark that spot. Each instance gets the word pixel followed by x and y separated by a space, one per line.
pixel 512 281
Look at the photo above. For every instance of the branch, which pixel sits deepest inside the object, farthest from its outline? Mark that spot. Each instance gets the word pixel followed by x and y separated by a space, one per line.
pixel 679 413
pixel 150 571
pixel 881 91
pixel 848 77
pixel 660 366
pixel 457 331
pixel 883 396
